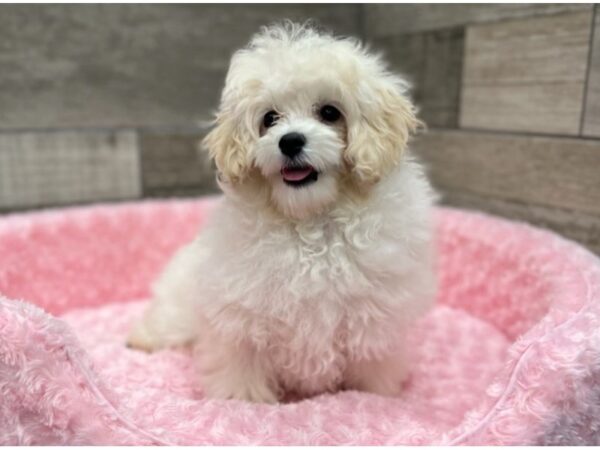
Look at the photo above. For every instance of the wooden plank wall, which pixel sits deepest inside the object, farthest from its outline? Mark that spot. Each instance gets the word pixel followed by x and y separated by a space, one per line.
pixel 102 102
pixel 520 88
pixel 591 126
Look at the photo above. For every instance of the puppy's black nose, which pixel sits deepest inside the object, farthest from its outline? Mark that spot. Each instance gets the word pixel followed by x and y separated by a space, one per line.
pixel 291 144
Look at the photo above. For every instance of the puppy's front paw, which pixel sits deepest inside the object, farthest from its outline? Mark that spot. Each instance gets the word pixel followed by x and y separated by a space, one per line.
pixel 239 387
pixel 233 372
pixel 256 393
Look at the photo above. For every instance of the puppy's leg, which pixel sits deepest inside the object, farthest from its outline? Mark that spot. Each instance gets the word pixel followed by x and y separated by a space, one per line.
pixel 171 319
pixel 234 370
pixel 379 376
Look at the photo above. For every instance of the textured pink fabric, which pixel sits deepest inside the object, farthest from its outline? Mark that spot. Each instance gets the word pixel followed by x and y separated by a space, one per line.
pixel 510 355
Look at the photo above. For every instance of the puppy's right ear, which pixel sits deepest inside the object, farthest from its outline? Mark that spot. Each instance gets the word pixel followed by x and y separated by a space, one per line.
pixel 227 145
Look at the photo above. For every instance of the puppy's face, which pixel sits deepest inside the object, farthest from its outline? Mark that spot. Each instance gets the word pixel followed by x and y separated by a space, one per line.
pixel 300 147
pixel 308 115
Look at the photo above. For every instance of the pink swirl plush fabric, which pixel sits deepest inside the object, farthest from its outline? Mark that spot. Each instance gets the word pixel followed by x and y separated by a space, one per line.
pixel 510 354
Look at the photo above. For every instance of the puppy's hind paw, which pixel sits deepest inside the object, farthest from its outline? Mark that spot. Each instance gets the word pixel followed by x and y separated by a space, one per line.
pixel 383 377
pixel 140 339
pixel 244 392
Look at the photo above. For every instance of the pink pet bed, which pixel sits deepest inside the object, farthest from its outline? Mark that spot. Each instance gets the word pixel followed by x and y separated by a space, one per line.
pixel 510 354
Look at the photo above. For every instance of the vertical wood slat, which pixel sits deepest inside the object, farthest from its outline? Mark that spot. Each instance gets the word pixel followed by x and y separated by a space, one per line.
pixel 432 62
pixel 591 124
pixel 526 75
pixel 63 167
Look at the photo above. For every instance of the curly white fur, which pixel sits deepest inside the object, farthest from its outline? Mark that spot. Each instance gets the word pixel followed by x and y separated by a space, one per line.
pixel 303 289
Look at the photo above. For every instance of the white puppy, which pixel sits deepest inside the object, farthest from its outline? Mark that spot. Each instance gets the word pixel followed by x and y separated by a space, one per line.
pixel 319 255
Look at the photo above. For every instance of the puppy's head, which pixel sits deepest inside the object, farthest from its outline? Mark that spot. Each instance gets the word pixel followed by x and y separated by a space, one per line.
pixel 308 115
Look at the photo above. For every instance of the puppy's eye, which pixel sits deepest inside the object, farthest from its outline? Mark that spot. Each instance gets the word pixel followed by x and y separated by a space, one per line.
pixel 330 113
pixel 270 119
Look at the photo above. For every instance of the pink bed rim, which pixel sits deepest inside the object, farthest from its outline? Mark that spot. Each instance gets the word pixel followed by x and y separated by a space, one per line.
pixel 510 354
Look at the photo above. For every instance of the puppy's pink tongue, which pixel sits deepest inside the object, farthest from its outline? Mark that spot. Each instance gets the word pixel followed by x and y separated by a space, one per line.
pixel 295 174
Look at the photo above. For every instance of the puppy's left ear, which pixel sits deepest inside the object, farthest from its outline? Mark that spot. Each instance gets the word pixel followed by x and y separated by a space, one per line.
pixel 377 139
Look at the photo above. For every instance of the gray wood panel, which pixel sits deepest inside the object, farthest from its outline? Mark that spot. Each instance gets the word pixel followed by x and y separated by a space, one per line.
pixel 556 172
pixel 57 168
pixel 591 126
pixel 432 61
pixel 129 64
pixel 526 75
pixel 389 19
pixel 172 165
pixel 580 227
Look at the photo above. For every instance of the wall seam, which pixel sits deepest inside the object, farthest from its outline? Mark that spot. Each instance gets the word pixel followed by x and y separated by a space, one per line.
pixel 515 133
pixel 459 98
pixel 588 71
pixel 362 21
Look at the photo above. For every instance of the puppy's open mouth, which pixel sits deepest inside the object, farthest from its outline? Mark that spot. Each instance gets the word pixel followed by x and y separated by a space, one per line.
pixel 299 175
